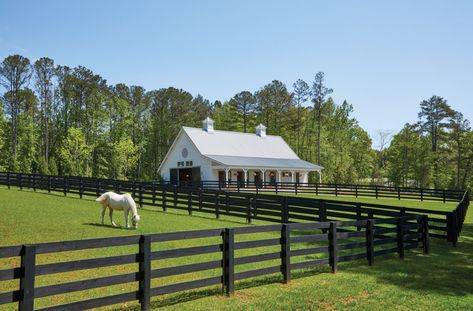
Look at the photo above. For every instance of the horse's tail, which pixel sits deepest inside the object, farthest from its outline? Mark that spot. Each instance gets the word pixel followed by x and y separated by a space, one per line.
pixel 102 199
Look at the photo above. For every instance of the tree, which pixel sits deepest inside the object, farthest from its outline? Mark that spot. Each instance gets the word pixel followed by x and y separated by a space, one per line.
pixel 75 153
pixel 124 158
pixel 318 94
pixel 301 95
pixel 244 103
pixel 44 72
pixel 273 101
pixel 459 130
pixel 432 120
pixel 15 73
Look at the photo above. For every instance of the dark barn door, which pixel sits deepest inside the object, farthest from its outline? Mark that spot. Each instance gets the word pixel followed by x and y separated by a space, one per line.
pixel 196 175
pixel 173 175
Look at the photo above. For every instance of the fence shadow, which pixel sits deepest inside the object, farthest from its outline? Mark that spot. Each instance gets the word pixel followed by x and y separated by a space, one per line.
pixel 446 270
pixel 175 299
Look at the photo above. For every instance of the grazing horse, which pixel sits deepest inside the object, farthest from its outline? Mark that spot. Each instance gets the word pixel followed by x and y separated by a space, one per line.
pixel 119 202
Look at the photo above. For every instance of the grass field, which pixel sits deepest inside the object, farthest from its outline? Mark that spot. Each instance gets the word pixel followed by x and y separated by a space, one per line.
pixel 439 281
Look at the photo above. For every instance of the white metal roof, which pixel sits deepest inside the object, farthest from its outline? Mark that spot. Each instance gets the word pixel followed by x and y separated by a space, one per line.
pixel 238 144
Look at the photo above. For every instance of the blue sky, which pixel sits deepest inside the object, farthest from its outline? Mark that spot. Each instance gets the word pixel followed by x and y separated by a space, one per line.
pixel 383 57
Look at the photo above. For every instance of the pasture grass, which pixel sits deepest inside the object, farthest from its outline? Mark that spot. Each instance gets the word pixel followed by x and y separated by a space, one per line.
pixel 426 204
pixel 438 281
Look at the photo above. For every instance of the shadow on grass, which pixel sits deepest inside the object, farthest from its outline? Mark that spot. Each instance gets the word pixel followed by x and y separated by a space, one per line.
pixel 446 270
pixel 104 226
pixel 173 299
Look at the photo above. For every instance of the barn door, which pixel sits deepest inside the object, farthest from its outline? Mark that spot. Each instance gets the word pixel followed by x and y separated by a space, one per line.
pixel 196 175
pixel 173 175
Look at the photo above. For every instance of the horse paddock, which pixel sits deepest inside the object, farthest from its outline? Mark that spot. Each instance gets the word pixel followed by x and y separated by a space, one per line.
pixel 419 281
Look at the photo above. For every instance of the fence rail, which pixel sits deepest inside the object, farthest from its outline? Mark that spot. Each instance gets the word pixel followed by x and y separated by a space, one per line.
pixel 250 206
pixel 339 241
pixel 356 190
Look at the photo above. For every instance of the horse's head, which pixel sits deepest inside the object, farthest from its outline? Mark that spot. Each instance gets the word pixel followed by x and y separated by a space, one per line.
pixel 135 220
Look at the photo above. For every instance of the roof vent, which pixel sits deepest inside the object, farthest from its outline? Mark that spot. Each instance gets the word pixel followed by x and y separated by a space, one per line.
pixel 261 130
pixel 208 125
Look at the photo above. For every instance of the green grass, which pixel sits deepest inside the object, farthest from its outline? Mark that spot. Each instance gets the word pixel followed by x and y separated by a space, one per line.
pixel 438 281
pixel 433 205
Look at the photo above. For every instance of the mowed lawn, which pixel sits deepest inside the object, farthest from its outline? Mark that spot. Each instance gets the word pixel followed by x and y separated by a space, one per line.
pixel 441 280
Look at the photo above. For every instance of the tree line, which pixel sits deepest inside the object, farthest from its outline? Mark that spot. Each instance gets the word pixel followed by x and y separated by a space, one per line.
pixel 69 121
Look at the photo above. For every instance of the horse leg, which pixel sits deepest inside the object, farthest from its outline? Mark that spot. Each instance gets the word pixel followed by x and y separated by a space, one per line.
pixel 103 213
pixel 111 217
pixel 126 219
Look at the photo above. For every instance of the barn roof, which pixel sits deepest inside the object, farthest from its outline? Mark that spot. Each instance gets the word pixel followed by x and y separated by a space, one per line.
pixel 246 149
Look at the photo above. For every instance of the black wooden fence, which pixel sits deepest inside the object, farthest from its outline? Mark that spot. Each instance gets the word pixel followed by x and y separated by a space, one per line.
pixel 273 208
pixel 339 242
pixel 372 191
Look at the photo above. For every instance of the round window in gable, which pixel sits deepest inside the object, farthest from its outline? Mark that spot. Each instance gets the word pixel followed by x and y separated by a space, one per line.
pixel 185 153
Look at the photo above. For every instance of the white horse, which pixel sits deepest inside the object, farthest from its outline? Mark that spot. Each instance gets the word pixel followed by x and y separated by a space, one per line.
pixel 119 202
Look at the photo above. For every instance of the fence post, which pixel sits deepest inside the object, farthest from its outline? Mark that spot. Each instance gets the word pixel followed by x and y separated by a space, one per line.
pixel 336 190
pixel 28 262
pixel 421 194
pixel 317 189
pixel 34 182
pixel 200 198
pixel 358 215
pixel 284 210
pixel 356 191
pixel 286 252
pixel 20 180
pixel 248 210
pixel 8 180
pixel 227 202
pixel 65 185
pixel 295 188
pixel 140 195
pixel 81 186
pixel 49 184
pixel 376 191
pixel 322 212
pixel 332 240
pixel 154 193
pixel 145 272
pixel 217 206
pixel 229 261
pixel 444 196
pixel 370 242
pixel 425 234
pixel 452 228
pixel 164 200
pixel 189 203
pixel 400 237
pixel 398 193
pixel 175 195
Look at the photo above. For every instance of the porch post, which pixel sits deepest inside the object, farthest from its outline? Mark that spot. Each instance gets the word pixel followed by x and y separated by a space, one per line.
pixel 279 177
pixel 306 177
pixel 245 179
pixel 320 176
pixel 263 172
pixel 227 176
pixel 293 177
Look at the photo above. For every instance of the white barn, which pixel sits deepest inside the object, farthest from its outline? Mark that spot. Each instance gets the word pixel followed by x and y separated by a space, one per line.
pixel 205 154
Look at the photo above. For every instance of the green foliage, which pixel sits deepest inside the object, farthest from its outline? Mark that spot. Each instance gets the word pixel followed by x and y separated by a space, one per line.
pixel 38 128
pixel 75 153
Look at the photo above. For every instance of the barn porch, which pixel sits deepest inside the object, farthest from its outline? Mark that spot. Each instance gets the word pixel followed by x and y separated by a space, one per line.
pixel 252 171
